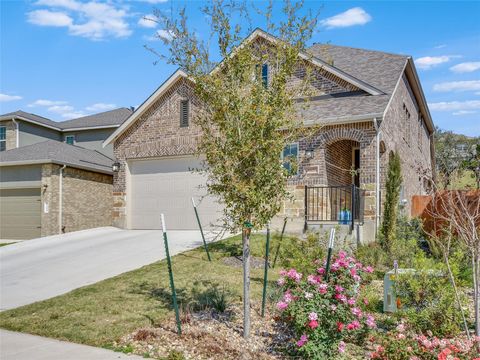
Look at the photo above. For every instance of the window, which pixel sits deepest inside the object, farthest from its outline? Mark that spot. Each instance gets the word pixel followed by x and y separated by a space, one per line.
pixel 70 139
pixel 3 138
pixel 265 75
pixel 184 113
pixel 290 158
pixel 406 124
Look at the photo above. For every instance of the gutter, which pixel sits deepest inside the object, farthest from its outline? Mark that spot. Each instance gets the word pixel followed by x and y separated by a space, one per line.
pixel 377 174
pixel 17 133
pixel 60 200
pixel 49 161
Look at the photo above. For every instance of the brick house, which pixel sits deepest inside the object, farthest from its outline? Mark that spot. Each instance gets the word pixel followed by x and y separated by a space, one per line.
pixel 370 104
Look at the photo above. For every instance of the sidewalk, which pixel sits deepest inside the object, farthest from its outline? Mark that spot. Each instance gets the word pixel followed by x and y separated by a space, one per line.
pixel 18 346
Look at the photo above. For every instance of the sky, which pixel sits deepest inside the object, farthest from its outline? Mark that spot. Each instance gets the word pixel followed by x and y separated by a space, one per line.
pixel 64 59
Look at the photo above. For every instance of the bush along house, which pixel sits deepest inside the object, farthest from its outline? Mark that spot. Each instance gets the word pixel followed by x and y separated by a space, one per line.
pixel 369 103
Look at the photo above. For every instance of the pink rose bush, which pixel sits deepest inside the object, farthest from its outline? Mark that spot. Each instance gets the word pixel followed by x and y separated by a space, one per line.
pixel 402 344
pixel 324 313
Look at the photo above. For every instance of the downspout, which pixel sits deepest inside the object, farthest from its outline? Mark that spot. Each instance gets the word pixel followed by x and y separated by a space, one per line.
pixel 17 133
pixel 60 200
pixel 377 174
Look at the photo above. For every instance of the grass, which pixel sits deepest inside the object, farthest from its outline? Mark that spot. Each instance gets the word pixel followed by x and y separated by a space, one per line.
pixel 5 244
pixel 101 313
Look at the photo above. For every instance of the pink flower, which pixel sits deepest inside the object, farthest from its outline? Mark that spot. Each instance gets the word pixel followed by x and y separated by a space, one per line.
pixel 313 316
pixel 335 267
pixel 322 288
pixel 283 272
pixel 340 326
pixel 369 269
pixel 357 278
pixel 321 270
pixel 333 307
pixel 365 301
pixel 351 301
pixel 342 254
pixel 339 289
pixel 281 281
pixel 371 322
pixel 302 341
pixel 281 305
pixel 353 271
pixel 400 336
pixel 340 297
pixel 312 279
pixel 357 312
pixel 353 325
pixel 294 275
pixel 341 347
pixel 288 297
pixel 313 324
pixel 401 328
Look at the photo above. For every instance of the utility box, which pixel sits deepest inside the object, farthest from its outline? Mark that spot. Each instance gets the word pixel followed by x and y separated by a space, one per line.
pixel 390 300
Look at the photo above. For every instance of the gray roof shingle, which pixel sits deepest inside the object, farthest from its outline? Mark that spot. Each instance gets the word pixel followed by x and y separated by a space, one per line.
pixel 108 118
pixel 60 153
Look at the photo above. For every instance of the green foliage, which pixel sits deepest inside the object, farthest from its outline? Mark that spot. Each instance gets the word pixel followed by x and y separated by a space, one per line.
pixel 300 254
pixel 175 355
pixel 428 300
pixel 393 184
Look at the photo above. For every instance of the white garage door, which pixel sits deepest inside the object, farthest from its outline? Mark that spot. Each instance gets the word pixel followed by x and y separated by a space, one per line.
pixel 167 186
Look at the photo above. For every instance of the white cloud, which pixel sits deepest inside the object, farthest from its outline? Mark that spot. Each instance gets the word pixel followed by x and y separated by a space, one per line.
pixel 160 35
pixel 427 62
pixel 60 109
pixel 49 18
pixel 351 17
pixel 465 67
pixel 73 115
pixel 92 20
pixel 101 107
pixel 469 85
pixel 148 21
pixel 6 98
pixel 43 102
pixel 463 112
pixel 455 105
pixel 441 46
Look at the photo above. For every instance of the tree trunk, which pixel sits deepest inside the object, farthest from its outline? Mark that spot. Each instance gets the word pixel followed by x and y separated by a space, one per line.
pixel 246 282
pixel 476 292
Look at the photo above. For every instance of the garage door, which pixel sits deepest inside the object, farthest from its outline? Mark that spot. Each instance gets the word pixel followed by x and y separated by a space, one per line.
pixel 167 186
pixel 20 213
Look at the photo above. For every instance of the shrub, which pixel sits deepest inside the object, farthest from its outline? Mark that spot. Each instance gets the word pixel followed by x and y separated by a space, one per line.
pixel 300 254
pixel 428 302
pixel 393 185
pixel 402 344
pixel 324 313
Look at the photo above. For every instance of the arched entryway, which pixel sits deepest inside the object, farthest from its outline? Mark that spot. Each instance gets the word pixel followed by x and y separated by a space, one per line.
pixel 342 163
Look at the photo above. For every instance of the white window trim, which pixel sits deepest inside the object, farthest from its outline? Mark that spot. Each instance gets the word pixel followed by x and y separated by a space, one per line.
pixel 4 140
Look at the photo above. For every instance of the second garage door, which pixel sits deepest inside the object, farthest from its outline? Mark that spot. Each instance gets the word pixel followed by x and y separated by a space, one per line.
pixel 20 214
pixel 167 186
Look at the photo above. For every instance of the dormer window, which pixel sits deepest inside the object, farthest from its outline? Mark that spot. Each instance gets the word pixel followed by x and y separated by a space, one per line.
pixel 184 105
pixel 70 139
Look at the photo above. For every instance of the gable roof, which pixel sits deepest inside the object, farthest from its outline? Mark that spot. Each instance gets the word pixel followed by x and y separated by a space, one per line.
pixel 107 119
pixel 57 152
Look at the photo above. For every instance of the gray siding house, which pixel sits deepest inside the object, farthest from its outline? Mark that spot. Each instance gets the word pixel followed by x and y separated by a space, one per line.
pixel 55 177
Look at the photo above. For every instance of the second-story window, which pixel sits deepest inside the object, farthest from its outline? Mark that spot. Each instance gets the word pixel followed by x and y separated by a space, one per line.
pixel 184 110
pixel 70 139
pixel 265 75
pixel 3 138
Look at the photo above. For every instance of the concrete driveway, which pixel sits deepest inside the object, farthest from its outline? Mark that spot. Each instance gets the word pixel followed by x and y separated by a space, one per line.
pixel 42 268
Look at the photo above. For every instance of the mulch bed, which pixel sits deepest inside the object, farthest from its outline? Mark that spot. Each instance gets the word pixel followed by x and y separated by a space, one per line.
pixel 255 262
pixel 206 335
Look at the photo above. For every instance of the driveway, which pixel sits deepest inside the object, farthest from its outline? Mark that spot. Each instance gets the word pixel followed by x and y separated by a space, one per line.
pixel 42 268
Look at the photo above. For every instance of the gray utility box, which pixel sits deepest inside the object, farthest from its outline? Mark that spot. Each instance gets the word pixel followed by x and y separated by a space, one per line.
pixel 389 296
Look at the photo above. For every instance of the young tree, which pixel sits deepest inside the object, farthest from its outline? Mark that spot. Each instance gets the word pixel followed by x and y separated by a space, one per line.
pixel 393 185
pixel 248 108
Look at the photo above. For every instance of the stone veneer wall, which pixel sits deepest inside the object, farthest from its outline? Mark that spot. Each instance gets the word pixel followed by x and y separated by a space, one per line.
pixel 87 199
pixel 11 136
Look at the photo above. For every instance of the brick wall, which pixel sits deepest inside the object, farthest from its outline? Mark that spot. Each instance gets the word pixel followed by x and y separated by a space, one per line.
pixel 87 199
pixel 403 131
pixel 11 134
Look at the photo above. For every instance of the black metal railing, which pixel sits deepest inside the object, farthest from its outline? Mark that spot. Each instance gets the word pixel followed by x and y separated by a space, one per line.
pixel 340 204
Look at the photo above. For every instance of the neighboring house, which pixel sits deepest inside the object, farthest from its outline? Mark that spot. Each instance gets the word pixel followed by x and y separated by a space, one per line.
pixel 51 187
pixel 20 128
pixel 55 176
pixel 371 104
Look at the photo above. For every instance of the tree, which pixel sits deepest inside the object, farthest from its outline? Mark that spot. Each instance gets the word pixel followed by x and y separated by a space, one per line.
pixel 248 109
pixel 457 212
pixel 472 162
pixel 393 185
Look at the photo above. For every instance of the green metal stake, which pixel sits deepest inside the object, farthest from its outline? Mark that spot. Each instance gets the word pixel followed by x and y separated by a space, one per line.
pixel 265 273
pixel 170 273
pixel 329 254
pixel 201 229
pixel 279 242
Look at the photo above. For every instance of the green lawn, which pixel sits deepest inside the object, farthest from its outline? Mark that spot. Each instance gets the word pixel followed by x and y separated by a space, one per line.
pixel 101 313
